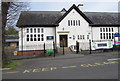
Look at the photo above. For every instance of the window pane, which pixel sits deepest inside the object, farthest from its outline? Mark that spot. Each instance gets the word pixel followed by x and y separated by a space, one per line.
pixel 112 29
pixel 79 22
pixel 112 36
pixel 71 22
pixel 109 30
pixel 100 35
pixel 42 37
pixel 78 37
pixel 31 30
pixel 83 37
pixel 34 37
pixel 104 35
pixel 27 30
pixel 87 36
pixel 73 37
pixel 100 29
pixel 34 30
pixel 38 30
pixel 74 22
pixel 106 29
pixel 109 35
pixel 42 30
pixel 68 22
pixel 103 29
pixel 31 37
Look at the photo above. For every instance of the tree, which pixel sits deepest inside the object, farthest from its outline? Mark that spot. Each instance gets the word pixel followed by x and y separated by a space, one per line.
pixel 11 31
pixel 10 14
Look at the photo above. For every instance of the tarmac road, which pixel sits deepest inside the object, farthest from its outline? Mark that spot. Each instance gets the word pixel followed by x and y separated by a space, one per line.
pixel 69 66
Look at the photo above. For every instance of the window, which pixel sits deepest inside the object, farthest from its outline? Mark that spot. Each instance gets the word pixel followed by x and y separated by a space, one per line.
pixel 36 34
pixel 112 29
pixel 42 30
pixel 112 36
pixel 31 37
pixel 68 22
pixel 103 29
pixel 78 37
pixel 73 37
pixel 74 22
pixel 106 33
pixel 38 30
pixel 38 37
pixel 109 30
pixel 83 37
pixel 106 29
pixel 34 30
pixel 101 37
pixel 109 35
pixel 31 30
pixel 27 37
pixel 100 29
pixel 35 38
pixel 42 37
pixel 71 22
pixel 79 22
pixel 87 36
pixel 27 30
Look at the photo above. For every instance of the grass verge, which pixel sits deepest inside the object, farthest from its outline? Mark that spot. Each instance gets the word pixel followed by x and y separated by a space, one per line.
pixel 11 64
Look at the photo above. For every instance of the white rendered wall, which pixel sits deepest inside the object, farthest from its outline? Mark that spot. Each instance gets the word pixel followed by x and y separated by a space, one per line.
pixel 96 32
pixel 36 45
pixel 83 29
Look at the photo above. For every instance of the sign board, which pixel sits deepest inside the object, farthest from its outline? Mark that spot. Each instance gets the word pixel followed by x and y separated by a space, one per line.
pixel 116 35
pixel 50 37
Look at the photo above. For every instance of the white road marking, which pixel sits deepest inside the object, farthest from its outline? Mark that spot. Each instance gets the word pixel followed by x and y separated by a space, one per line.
pixel 114 59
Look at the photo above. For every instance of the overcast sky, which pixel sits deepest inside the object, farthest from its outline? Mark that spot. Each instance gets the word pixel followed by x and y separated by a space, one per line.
pixel 89 6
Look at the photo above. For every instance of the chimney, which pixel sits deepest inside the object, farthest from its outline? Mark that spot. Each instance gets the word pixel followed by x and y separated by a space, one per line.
pixel 63 11
pixel 80 6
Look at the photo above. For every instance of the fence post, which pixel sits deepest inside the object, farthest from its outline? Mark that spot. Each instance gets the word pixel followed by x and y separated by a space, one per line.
pixel 44 48
pixel 63 47
pixel 90 45
pixel 54 48
pixel 77 47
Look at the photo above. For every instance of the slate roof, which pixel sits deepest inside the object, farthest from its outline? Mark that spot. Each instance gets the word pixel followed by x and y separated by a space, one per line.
pixel 103 18
pixel 52 18
pixel 38 18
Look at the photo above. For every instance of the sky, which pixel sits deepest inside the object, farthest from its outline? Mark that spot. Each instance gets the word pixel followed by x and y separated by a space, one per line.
pixel 93 6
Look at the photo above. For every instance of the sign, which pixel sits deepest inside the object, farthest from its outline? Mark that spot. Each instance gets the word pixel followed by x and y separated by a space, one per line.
pixel 116 35
pixel 50 37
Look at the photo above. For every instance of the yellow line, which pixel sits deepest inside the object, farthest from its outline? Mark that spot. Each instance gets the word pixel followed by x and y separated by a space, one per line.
pixel 10 72
pixel 69 67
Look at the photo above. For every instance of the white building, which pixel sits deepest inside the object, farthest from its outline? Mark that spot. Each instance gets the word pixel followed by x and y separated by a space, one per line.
pixel 39 27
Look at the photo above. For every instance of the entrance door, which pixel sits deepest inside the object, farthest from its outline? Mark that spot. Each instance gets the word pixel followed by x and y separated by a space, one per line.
pixel 63 40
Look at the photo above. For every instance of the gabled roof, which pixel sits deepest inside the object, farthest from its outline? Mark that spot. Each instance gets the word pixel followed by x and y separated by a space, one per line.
pixel 53 18
pixel 78 10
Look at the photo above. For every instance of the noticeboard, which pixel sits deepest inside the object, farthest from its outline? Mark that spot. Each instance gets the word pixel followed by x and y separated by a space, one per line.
pixel 50 37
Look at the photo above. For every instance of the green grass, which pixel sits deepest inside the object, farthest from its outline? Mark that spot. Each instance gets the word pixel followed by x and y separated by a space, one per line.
pixel 11 64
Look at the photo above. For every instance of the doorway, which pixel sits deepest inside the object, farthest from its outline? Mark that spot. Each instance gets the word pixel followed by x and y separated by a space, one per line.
pixel 63 40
